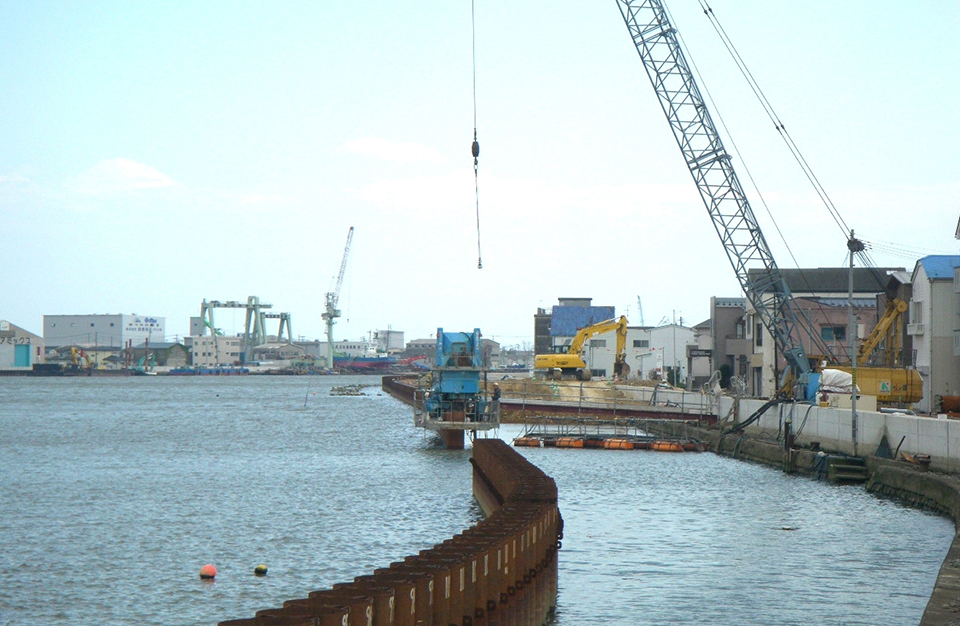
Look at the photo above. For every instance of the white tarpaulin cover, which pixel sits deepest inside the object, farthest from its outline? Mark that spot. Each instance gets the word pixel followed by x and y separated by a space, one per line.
pixel 836 381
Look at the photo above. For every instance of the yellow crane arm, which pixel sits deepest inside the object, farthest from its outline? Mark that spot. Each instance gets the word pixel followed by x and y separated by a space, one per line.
pixel 895 308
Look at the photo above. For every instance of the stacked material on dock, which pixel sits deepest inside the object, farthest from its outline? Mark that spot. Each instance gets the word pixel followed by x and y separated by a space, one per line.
pixel 609 442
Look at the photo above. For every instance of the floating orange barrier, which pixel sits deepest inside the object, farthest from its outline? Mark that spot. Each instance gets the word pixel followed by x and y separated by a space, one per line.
pixel 569 442
pixel 618 444
pixel 667 446
pixel 693 446
pixel 531 442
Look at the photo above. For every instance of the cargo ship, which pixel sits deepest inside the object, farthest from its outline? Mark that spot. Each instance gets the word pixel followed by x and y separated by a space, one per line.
pixel 364 363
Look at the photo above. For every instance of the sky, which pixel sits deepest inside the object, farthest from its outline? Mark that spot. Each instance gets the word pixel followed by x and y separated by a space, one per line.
pixel 153 155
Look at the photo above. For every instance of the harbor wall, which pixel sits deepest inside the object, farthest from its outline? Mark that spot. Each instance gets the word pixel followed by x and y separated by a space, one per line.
pixel 500 571
pixel 400 387
pixel 833 429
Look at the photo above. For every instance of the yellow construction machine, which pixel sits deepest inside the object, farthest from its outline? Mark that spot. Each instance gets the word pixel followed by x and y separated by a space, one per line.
pixel 892 385
pixel 571 363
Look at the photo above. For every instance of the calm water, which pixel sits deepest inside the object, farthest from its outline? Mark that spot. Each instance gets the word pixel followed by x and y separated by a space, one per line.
pixel 117 491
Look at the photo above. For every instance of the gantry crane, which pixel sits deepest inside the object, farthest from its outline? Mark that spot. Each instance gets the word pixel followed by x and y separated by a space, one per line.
pixel 254 328
pixel 331 311
pixel 712 170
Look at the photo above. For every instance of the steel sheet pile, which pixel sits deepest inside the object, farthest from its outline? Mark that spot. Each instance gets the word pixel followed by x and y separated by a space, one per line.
pixel 500 571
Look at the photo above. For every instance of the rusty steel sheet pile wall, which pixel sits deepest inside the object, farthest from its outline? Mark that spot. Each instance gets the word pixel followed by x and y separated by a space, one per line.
pixel 499 572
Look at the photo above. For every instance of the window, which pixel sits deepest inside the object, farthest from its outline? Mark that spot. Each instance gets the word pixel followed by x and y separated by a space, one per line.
pixel 759 334
pixel 598 343
pixel 916 312
pixel 833 333
pixel 641 343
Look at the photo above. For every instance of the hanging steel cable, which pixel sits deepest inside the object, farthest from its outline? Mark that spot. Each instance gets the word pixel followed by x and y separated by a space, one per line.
pixel 475 148
pixel 772 114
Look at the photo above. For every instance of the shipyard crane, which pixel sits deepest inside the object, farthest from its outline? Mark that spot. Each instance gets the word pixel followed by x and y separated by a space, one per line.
pixel 331 311
pixel 712 170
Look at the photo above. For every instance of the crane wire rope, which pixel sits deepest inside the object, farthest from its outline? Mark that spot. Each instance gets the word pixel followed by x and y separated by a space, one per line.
pixel 858 247
pixel 772 114
pixel 863 253
pixel 475 148
pixel 713 104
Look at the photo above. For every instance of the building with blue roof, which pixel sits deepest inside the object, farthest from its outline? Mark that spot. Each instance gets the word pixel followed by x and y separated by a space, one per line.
pixel 934 327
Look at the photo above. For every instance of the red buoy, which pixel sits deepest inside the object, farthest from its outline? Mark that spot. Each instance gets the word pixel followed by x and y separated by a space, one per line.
pixel 208 572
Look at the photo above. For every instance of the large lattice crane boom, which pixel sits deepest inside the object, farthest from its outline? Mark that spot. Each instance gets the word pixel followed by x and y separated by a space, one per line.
pixel 712 171
pixel 331 311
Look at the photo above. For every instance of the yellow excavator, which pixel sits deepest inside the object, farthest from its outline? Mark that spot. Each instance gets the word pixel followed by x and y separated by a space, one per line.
pixel 571 363
pixel 892 384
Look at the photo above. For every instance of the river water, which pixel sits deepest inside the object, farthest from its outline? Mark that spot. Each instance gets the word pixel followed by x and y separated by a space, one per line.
pixel 117 491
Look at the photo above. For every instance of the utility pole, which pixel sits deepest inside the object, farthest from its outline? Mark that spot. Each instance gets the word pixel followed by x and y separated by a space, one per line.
pixel 854 245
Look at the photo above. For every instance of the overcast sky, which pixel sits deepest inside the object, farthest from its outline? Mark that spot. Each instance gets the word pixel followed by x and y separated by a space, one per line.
pixel 156 154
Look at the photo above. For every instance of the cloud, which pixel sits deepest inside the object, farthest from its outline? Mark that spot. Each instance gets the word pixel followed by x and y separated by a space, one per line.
pixel 118 175
pixel 398 152
pixel 13 179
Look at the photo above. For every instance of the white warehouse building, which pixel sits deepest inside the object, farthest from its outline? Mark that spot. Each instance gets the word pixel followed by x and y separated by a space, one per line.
pixel 102 330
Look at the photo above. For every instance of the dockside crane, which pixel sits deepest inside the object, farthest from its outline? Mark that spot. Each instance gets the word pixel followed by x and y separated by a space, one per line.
pixel 331 312
pixel 712 170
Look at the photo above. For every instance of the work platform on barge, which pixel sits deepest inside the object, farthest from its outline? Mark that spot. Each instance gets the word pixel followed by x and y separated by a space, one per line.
pixel 451 400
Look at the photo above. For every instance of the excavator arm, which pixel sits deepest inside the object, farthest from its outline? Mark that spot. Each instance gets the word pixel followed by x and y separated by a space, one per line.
pixel 620 325
pixel 895 308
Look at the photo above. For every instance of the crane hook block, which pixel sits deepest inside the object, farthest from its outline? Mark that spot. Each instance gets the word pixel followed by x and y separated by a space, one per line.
pixel 476 148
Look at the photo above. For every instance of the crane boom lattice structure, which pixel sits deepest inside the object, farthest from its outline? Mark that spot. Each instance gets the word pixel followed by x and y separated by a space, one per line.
pixel 331 312
pixel 712 170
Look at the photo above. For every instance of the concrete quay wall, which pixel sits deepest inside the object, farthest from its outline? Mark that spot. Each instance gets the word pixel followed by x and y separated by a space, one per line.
pixel 500 571
pixel 833 428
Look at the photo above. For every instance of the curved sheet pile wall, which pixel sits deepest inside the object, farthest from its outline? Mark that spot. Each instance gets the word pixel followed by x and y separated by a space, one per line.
pixel 498 572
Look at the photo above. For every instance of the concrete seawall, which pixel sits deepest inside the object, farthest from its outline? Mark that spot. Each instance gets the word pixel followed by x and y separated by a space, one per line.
pixel 498 572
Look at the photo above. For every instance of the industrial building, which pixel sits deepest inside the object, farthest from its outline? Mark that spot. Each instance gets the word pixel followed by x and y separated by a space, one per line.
pixel 116 331
pixel 214 350
pixel 19 348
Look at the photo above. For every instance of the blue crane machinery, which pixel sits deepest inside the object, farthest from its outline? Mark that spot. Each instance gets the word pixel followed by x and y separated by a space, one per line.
pixel 712 170
pixel 331 312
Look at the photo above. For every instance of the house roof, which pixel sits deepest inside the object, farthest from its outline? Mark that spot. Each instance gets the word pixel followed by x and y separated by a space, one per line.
pixel 157 345
pixel 939 266
pixel 823 280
